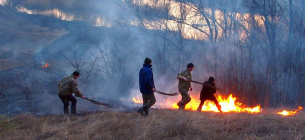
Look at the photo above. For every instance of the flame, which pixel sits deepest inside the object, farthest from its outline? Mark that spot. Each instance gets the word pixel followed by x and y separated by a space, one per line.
pixel 228 104
pixel 137 100
pixel 46 65
pixel 289 113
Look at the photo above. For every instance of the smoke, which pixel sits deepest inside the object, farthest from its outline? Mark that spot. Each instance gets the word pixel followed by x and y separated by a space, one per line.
pixel 107 41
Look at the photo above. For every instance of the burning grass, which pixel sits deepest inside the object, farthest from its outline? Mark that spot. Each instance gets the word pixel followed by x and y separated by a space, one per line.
pixel 228 104
pixel 161 124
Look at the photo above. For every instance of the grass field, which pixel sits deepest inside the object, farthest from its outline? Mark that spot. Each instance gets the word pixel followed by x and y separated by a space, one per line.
pixel 160 124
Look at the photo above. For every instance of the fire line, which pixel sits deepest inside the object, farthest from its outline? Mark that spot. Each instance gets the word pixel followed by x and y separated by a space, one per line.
pixel 228 104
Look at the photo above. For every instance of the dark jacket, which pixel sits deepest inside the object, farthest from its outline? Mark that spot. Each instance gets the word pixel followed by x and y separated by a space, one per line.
pixel 207 92
pixel 146 79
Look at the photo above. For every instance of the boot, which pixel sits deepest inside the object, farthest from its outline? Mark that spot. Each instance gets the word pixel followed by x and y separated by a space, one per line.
pixel 199 108
pixel 73 111
pixel 145 112
pixel 181 107
pixel 66 109
pixel 141 110
pixel 219 108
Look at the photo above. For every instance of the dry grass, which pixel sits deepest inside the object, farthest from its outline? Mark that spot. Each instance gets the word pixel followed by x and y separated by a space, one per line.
pixel 161 124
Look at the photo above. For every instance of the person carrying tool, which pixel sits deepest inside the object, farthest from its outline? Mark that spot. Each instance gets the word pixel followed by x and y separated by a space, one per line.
pixel 66 87
pixel 207 93
pixel 184 85
pixel 147 87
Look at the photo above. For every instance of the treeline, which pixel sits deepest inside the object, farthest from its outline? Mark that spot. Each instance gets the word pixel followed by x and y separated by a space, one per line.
pixel 254 48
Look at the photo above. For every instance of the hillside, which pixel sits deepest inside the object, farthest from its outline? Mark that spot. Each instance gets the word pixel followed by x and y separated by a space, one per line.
pixel 161 124
pixel 20 39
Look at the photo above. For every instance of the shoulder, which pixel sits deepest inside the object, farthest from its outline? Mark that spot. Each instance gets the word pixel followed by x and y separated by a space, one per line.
pixel 209 83
pixel 146 69
pixel 183 72
pixel 66 78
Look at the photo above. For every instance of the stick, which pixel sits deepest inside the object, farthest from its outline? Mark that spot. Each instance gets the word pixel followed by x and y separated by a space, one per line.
pixel 96 102
pixel 206 85
pixel 168 94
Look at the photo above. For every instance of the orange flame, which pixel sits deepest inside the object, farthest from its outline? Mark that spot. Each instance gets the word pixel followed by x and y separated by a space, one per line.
pixel 289 113
pixel 46 65
pixel 137 100
pixel 228 104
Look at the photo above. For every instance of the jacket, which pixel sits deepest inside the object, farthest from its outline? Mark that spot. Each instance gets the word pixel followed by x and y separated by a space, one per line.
pixel 207 92
pixel 146 79
pixel 68 86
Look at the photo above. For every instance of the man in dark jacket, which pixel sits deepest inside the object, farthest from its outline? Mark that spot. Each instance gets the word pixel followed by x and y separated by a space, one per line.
pixel 147 87
pixel 66 87
pixel 207 93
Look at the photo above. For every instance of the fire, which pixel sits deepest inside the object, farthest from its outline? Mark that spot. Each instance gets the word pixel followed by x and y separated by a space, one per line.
pixel 228 104
pixel 46 65
pixel 137 100
pixel 289 113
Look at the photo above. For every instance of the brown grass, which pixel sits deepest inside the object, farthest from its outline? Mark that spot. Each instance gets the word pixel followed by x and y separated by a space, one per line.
pixel 161 124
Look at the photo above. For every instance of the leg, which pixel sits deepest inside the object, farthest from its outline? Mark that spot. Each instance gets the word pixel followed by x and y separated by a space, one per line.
pixel 151 100
pixel 145 100
pixel 65 102
pixel 185 98
pixel 200 105
pixel 216 103
pixel 150 103
pixel 73 101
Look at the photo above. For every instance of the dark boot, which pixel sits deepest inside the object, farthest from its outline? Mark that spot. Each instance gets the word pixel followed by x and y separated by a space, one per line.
pixel 200 106
pixel 66 108
pixel 73 111
pixel 146 112
pixel 141 110
pixel 66 111
pixel 181 107
pixel 219 108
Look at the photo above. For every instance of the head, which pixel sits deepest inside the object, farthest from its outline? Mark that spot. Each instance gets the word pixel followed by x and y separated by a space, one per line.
pixel 147 61
pixel 75 74
pixel 211 79
pixel 190 67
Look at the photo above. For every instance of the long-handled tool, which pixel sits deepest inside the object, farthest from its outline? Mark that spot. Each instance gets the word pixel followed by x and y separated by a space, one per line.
pixel 206 85
pixel 96 102
pixel 168 94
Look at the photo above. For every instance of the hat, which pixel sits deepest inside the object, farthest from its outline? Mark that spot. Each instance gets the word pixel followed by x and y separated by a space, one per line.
pixel 76 73
pixel 147 60
pixel 211 79
pixel 190 65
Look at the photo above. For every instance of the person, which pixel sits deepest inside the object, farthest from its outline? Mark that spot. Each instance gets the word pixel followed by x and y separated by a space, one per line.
pixel 207 93
pixel 147 87
pixel 66 87
pixel 184 85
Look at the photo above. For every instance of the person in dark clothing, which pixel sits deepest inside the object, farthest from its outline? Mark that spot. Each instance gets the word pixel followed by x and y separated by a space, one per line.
pixel 147 87
pixel 66 87
pixel 207 93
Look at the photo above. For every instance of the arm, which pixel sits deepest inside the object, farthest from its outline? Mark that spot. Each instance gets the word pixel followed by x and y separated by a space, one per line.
pixel 214 89
pixel 76 90
pixel 181 76
pixel 148 77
